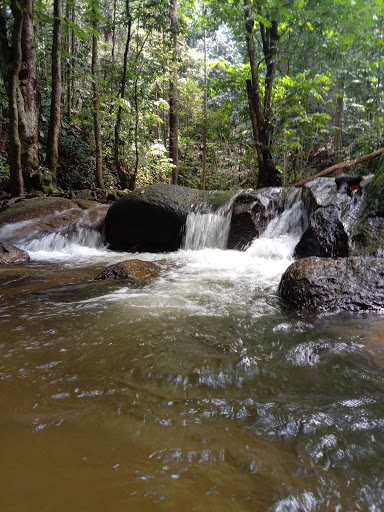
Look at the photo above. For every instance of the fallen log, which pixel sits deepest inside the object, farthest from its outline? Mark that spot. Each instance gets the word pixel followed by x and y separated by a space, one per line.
pixel 337 167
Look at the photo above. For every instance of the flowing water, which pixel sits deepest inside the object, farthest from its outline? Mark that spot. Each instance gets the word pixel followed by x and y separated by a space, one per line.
pixel 197 392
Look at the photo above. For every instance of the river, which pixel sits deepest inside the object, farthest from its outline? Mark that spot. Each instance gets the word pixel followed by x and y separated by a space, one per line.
pixel 196 392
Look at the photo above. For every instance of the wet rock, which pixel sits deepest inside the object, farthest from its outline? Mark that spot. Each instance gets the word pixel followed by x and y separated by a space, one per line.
pixel 133 271
pixel 28 209
pixel 319 193
pixel 368 229
pixel 351 284
pixel 150 219
pixel 325 235
pixel 251 214
pixel 11 254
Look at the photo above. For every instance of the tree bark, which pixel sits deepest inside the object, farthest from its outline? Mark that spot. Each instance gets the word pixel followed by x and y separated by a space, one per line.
pixel 260 112
pixel 204 114
pixel 54 119
pixel 120 171
pixel 10 68
pixel 96 115
pixel 338 139
pixel 337 167
pixel 173 107
pixel 28 104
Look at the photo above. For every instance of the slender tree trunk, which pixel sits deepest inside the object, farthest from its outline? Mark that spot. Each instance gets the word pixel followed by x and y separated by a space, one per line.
pixel 10 68
pixel 173 109
pixel 114 30
pixel 28 105
pixel 54 120
pixel 204 114
pixel 260 112
pixel 120 171
pixel 338 139
pixel 96 115
pixel 73 61
pixel 69 64
pixel 132 181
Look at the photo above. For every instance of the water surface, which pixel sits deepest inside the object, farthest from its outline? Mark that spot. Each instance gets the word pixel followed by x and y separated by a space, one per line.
pixel 196 392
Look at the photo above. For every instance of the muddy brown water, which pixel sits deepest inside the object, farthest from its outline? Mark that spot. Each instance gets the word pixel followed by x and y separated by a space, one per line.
pixel 197 392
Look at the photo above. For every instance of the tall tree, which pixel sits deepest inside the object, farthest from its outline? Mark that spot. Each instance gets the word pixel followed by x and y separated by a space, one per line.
pixel 10 69
pixel 96 100
pixel 28 105
pixel 120 171
pixel 173 110
pixel 54 120
pixel 261 111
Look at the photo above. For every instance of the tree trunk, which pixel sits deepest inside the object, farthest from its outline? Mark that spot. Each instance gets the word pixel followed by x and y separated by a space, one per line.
pixel 132 181
pixel 28 105
pixel 338 139
pixel 96 120
pixel 337 167
pixel 10 68
pixel 120 172
pixel 54 120
pixel 205 114
pixel 173 110
pixel 260 112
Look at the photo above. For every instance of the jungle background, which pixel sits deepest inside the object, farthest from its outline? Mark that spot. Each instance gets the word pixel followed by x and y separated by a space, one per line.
pixel 209 94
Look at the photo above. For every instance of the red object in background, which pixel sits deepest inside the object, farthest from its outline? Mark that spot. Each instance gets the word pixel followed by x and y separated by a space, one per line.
pixel 355 187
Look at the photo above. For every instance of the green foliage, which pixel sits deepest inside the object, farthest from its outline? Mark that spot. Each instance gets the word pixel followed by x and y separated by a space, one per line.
pixel 76 164
pixel 4 172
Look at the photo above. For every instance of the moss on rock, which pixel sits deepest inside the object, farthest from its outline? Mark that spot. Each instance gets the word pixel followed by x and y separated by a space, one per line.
pixel 33 208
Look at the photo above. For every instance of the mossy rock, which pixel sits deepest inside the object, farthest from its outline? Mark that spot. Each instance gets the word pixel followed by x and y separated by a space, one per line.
pixel 34 208
pixel 136 272
pixel 368 231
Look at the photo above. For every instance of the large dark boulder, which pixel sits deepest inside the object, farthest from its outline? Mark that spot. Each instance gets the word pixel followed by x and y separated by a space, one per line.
pixel 150 219
pixel 351 284
pixel 153 218
pixel 325 236
pixel 11 254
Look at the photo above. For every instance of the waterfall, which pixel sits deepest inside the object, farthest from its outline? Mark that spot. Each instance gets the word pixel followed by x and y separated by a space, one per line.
pixel 206 231
pixel 70 232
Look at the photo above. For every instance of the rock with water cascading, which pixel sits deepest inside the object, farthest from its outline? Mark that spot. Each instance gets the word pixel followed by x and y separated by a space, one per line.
pixel 11 254
pixel 34 219
pixel 152 219
pixel 325 235
pixel 252 212
pixel 134 271
pixel 350 284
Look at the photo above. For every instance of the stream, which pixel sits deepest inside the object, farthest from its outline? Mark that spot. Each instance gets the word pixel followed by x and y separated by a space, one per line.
pixel 196 392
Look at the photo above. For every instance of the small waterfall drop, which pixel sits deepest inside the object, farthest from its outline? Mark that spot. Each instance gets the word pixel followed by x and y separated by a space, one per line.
pixel 59 235
pixel 206 231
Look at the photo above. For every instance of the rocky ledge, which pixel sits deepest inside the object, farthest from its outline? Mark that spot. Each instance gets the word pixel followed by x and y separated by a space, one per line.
pixel 350 284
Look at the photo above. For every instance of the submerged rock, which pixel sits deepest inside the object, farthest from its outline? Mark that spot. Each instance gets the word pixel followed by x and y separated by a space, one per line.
pixel 133 271
pixel 325 235
pixel 11 254
pixel 351 284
